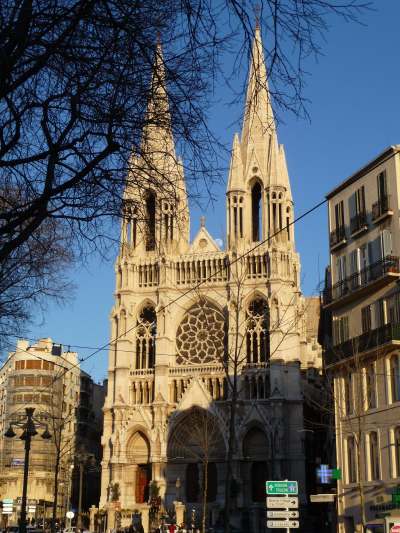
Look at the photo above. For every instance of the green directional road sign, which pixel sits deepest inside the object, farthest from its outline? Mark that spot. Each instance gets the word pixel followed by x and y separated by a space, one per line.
pixel 281 487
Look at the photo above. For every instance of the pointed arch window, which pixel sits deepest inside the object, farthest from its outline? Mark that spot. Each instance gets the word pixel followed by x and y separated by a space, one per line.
pixel 168 211
pixel 257 332
pixel 288 223
pixel 130 223
pixel 256 212
pixel 150 221
pixel 236 214
pixel 145 338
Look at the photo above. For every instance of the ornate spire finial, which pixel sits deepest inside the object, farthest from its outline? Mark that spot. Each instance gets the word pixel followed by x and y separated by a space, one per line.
pixel 202 221
pixel 257 13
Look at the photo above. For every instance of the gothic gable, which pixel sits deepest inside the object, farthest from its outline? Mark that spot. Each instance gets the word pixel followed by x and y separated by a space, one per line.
pixel 203 243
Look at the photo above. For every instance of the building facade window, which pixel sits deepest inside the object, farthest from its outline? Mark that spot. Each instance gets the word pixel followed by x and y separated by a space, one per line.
pixel 395 377
pixel 373 450
pixel 366 319
pixel 370 386
pixel 339 217
pixel 396 451
pixel 393 308
pixel 341 270
pixel 382 186
pixel 351 460
pixel 348 395
pixel 340 329
pixel 357 210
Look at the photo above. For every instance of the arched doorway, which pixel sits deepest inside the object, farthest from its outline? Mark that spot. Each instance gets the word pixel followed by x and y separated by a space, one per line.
pixel 255 450
pixel 138 453
pixel 195 451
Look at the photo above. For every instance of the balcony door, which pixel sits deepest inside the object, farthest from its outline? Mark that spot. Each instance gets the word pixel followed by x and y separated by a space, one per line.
pixel 382 187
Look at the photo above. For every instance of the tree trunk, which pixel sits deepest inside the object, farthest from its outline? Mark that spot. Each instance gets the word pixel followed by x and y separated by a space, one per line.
pixel 205 489
pixel 55 493
pixel 231 444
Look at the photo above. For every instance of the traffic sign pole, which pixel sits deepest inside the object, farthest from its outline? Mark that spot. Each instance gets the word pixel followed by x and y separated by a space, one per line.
pixel 283 500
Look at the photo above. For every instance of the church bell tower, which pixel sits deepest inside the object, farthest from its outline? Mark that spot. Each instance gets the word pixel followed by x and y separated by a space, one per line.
pixel 259 199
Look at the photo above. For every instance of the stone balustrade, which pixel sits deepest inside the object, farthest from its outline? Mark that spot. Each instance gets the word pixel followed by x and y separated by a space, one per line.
pixel 212 268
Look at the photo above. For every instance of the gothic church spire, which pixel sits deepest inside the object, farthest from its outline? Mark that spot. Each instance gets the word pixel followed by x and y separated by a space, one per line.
pixel 258 177
pixel 158 193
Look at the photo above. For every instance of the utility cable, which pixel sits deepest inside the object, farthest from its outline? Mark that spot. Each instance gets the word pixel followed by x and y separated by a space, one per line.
pixel 192 289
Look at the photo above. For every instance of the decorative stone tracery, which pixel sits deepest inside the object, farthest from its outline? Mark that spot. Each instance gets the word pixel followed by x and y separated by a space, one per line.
pixel 145 338
pixel 257 332
pixel 201 335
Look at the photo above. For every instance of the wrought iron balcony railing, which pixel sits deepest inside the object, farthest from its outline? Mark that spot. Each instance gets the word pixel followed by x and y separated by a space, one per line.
pixel 363 343
pixel 337 236
pixel 375 271
pixel 358 222
pixel 381 207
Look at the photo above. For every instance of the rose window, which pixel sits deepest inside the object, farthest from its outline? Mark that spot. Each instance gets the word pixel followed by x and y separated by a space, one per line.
pixel 201 335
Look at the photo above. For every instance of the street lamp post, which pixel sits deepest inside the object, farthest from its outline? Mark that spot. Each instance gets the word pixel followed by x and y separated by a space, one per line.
pixel 29 431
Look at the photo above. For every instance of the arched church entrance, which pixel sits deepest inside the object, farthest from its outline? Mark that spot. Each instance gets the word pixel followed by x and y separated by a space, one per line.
pixel 138 455
pixel 196 455
pixel 255 474
pixel 255 450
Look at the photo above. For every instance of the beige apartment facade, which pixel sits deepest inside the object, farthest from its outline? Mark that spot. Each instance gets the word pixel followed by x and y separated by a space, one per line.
pixel 187 314
pixel 362 355
pixel 46 378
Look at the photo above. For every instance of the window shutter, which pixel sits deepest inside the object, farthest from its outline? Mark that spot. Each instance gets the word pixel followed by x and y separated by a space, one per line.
pixel 386 243
pixel 334 332
pixel 375 250
pixel 345 328
pixel 352 206
pixel 354 261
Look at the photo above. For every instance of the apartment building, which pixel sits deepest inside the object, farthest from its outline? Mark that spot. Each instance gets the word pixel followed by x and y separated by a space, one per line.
pixel 88 441
pixel 46 378
pixel 361 304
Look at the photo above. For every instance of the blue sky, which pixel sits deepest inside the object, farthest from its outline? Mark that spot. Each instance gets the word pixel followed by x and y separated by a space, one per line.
pixel 354 94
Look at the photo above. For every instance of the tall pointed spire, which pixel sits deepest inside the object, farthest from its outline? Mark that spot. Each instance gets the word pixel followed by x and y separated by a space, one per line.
pixel 259 200
pixel 259 119
pixel 157 133
pixel 157 207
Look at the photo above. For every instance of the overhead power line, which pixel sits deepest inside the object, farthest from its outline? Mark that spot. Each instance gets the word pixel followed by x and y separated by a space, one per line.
pixel 188 291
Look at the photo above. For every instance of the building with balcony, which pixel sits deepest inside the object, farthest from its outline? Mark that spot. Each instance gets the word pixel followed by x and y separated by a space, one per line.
pixel 194 323
pixel 361 304
pixel 46 378
pixel 89 419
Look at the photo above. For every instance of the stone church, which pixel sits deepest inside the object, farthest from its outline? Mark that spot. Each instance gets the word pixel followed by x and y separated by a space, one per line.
pixel 194 325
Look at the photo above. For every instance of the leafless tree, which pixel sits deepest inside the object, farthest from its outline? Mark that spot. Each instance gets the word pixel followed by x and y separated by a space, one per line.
pixel 235 357
pixel 75 85
pixel 75 129
pixel 32 275
pixel 199 438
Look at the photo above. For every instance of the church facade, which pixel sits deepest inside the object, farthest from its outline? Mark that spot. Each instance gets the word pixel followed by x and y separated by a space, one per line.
pixel 194 326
